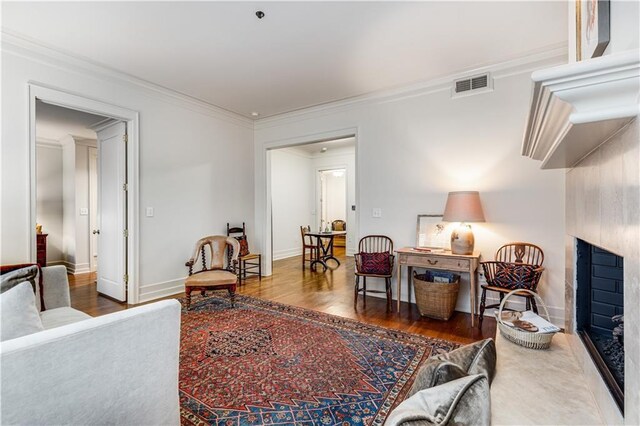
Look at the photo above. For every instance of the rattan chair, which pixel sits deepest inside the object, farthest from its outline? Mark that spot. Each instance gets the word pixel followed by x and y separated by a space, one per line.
pixel 374 251
pixel 517 266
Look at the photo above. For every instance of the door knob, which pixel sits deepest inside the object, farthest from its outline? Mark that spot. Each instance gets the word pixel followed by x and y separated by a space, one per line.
pixel 96 231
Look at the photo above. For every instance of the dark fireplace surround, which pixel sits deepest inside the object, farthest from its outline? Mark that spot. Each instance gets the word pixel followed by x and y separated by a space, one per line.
pixel 599 310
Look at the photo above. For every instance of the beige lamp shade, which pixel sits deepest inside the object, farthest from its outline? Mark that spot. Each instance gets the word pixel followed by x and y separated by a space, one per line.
pixel 463 206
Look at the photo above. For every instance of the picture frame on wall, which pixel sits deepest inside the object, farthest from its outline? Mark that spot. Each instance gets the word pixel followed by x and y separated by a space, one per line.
pixel 593 28
pixel 432 232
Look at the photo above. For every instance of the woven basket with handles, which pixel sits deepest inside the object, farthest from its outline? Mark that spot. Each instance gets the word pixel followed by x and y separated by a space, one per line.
pixel 525 338
pixel 436 300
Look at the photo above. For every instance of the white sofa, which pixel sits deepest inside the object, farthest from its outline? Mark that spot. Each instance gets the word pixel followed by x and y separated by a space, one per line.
pixel 120 368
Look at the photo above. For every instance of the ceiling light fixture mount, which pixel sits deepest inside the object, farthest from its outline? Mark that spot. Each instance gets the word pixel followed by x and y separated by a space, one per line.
pixel 255 114
pixel 260 14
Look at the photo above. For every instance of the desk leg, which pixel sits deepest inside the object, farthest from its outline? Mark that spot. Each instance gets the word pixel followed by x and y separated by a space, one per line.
pixel 409 280
pixel 399 285
pixel 472 293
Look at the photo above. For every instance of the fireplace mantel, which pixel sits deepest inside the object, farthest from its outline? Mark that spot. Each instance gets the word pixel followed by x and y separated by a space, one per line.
pixel 576 107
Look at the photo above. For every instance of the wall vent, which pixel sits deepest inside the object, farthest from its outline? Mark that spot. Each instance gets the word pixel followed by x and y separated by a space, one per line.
pixel 472 85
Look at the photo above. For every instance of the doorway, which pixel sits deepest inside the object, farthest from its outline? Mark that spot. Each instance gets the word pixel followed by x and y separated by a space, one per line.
pixel 83 175
pixel 311 185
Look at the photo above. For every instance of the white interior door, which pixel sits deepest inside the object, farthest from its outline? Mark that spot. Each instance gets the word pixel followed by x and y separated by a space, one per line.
pixel 112 208
pixel 93 209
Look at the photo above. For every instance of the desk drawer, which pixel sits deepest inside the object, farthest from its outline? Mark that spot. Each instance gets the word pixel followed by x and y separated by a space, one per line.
pixel 437 262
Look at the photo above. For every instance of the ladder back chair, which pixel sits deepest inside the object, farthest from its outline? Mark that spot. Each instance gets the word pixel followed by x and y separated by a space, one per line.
pixel 214 275
pixel 248 263
pixel 516 266
pixel 374 260
pixel 308 244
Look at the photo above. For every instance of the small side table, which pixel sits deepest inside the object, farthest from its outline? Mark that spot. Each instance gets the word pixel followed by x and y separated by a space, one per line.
pixel 446 261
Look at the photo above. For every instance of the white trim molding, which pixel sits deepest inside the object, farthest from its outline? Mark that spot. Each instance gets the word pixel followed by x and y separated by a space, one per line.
pixel 577 107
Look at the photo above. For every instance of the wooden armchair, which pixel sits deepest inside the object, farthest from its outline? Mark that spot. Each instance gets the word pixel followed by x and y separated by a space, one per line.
pixel 374 259
pixel 517 266
pixel 214 275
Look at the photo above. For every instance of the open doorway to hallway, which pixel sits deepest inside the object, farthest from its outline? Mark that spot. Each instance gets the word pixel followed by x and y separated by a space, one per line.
pixel 80 185
pixel 313 185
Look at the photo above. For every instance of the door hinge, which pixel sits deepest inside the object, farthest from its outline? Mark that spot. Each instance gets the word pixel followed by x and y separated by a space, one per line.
pixel 126 278
pixel 125 186
pixel 125 233
pixel 125 138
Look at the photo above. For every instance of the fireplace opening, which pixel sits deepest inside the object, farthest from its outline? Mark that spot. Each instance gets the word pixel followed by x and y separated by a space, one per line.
pixel 600 313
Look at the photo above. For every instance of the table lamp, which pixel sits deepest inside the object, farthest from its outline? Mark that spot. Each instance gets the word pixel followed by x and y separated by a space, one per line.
pixel 463 207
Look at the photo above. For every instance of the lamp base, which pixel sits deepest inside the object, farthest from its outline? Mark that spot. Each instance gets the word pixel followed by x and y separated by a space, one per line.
pixel 462 240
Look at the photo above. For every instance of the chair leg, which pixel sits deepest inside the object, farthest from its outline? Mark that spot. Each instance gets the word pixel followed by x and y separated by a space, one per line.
pixel 232 293
pixel 260 267
pixel 356 290
pixel 483 301
pixel 188 291
pixel 528 303
pixel 203 293
pixel 387 282
pixel 364 291
pixel 534 305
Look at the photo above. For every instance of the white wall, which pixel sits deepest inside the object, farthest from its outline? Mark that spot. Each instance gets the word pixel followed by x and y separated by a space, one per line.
pixel 291 198
pixel 49 198
pixel 624 30
pixel 344 157
pixel 194 161
pixel 413 147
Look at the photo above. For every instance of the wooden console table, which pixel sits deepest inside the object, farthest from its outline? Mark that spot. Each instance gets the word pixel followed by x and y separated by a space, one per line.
pixel 446 261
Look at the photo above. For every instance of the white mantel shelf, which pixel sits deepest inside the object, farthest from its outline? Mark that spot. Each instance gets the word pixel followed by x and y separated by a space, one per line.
pixel 577 107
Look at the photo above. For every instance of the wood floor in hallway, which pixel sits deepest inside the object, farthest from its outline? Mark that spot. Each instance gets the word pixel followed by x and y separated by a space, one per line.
pixel 330 292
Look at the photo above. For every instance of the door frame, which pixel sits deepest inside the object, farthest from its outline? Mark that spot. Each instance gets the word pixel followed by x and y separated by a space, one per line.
pixel 69 100
pixel 318 194
pixel 263 185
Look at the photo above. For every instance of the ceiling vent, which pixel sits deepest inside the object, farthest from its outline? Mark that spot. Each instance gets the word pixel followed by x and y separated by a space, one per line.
pixel 472 85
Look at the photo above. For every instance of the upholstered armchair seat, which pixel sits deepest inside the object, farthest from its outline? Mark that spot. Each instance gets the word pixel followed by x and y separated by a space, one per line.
pixel 211 278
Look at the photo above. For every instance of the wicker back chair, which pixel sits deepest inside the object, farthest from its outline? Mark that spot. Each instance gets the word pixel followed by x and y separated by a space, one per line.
pixel 518 266
pixel 374 259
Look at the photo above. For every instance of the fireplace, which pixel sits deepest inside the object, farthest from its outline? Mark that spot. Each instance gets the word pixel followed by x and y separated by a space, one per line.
pixel 599 313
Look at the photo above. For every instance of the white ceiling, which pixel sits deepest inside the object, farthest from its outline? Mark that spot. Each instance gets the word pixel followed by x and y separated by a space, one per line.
pixel 301 54
pixel 54 122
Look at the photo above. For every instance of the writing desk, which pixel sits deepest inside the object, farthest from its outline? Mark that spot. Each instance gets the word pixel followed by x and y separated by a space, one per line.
pixel 446 261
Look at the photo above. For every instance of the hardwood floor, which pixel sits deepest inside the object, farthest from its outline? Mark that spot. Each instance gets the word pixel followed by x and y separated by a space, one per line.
pixel 330 292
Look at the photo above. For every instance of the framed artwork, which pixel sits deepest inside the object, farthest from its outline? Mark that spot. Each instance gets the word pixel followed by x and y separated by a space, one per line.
pixel 432 232
pixel 592 28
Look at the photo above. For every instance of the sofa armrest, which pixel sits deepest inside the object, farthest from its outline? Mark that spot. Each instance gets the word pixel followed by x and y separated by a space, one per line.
pixel 55 287
pixel 120 368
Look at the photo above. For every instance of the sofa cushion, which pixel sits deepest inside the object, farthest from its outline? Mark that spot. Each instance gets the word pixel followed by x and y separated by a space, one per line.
pixel 463 401
pixel 475 358
pixel 58 317
pixel 19 313
pixel 11 277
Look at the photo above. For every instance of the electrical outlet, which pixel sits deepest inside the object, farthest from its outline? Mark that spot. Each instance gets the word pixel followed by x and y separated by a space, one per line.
pixel 149 211
pixel 376 212
pixel 84 211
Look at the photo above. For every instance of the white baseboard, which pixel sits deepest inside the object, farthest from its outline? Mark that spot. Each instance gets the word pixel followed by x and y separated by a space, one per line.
pixel 286 253
pixel 162 289
pixel 72 268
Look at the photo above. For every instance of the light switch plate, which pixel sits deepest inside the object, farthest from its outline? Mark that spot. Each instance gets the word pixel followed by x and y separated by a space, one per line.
pixel 376 212
pixel 149 211
pixel 84 211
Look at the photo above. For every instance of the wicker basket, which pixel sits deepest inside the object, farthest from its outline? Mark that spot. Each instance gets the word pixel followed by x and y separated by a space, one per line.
pixel 524 338
pixel 436 300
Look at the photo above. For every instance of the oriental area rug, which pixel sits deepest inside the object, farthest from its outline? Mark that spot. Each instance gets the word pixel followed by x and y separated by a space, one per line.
pixel 262 362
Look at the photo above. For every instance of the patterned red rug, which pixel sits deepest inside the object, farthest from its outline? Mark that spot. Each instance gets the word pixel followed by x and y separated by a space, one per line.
pixel 267 363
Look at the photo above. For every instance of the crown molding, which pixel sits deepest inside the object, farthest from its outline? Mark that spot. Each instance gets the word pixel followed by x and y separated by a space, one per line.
pixel 37 51
pixel 577 107
pixel 48 143
pixel 527 63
